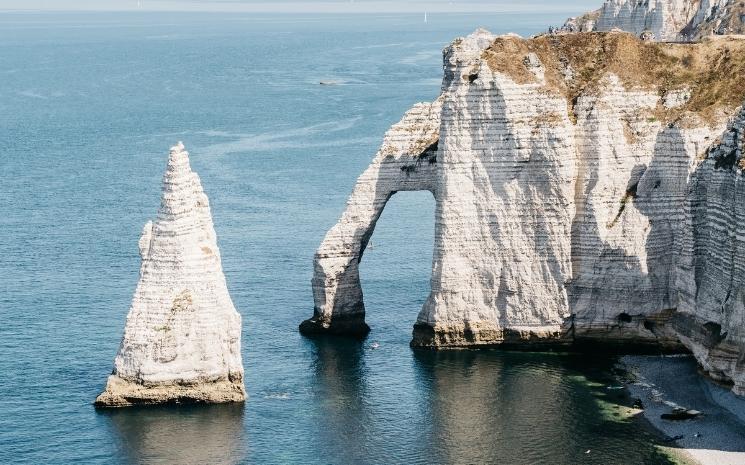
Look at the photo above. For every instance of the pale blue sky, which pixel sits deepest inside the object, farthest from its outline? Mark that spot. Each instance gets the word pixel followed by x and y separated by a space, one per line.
pixel 299 6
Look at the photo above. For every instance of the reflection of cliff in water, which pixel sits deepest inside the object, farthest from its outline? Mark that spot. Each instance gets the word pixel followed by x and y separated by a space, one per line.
pixel 526 408
pixel 198 434
pixel 339 403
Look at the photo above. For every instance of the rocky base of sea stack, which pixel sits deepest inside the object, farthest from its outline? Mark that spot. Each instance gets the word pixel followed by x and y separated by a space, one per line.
pixel 123 393
pixel 472 335
pixel 347 325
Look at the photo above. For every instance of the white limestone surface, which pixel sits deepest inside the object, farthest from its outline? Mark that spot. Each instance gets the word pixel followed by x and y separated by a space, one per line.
pixel 567 186
pixel 503 215
pixel 665 20
pixel 406 161
pixel 711 267
pixel 556 216
pixel 182 336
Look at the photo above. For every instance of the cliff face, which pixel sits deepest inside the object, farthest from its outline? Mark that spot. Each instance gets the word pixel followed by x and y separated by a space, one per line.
pixel 711 265
pixel 665 20
pixel 562 175
pixel 182 337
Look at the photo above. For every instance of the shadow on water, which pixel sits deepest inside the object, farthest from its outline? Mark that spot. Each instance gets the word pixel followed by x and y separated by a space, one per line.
pixel 182 434
pixel 339 398
pixel 528 408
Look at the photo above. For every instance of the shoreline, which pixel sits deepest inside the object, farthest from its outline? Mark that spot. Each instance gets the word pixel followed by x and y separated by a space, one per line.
pixel 716 437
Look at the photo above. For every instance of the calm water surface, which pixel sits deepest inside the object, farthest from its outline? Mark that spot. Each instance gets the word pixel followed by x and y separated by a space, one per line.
pixel 90 104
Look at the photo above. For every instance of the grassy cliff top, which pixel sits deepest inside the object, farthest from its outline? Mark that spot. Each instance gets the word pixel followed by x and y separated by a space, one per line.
pixel 713 71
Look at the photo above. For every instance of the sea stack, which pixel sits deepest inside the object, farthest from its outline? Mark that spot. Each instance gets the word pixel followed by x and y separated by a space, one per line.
pixel 182 337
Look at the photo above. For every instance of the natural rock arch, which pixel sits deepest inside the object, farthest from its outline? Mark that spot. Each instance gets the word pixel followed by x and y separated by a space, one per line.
pixel 407 161
pixel 575 205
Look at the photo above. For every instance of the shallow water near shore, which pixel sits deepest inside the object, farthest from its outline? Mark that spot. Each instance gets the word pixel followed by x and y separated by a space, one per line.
pixel 90 105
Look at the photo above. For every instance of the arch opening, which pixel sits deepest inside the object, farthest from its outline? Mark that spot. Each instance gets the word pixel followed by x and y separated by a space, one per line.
pixel 396 266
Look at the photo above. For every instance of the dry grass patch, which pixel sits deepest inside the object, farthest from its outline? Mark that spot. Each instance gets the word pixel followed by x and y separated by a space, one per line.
pixel 575 64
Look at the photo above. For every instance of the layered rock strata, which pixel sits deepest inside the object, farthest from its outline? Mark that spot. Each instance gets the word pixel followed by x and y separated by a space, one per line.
pixel 711 267
pixel 665 20
pixel 561 173
pixel 182 337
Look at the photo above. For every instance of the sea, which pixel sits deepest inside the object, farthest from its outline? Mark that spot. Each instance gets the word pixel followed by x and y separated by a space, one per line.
pixel 90 104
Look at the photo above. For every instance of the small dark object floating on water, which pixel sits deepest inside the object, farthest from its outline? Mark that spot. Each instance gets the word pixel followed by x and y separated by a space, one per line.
pixel 679 414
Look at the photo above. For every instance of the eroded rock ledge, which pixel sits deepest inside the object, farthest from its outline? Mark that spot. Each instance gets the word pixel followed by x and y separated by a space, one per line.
pixel 182 338
pixel 568 172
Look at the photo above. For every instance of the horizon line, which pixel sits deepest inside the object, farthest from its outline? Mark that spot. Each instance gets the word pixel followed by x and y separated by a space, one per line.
pixel 326 7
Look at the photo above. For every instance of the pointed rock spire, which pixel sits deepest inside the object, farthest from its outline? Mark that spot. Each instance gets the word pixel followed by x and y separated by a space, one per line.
pixel 182 337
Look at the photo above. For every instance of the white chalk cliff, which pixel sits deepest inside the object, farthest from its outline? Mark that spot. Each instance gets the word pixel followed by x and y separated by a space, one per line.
pixel 565 172
pixel 665 20
pixel 182 337
pixel 405 162
pixel 711 266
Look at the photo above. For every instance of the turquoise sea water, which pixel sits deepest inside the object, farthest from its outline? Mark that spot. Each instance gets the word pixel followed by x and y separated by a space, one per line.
pixel 90 104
